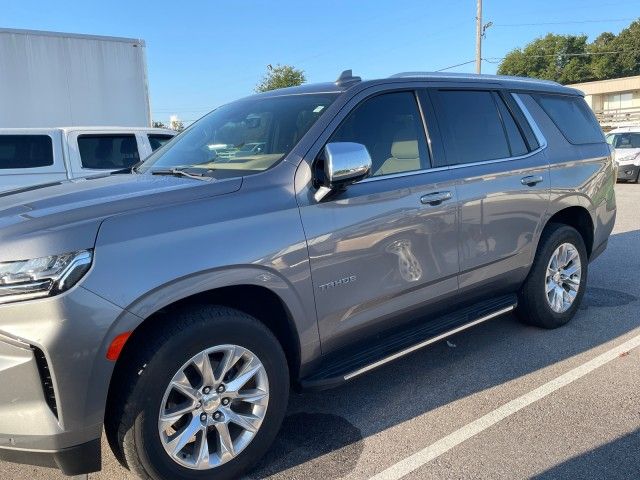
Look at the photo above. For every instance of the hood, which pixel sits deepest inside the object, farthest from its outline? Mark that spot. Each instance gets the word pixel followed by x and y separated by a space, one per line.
pixel 627 154
pixel 65 216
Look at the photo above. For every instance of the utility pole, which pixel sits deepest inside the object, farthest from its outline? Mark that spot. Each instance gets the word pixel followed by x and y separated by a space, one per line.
pixel 479 37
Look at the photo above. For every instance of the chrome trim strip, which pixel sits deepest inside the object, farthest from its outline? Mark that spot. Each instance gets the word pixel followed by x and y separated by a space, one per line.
pixel 420 345
pixel 499 160
pixel 402 174
pixel 534 126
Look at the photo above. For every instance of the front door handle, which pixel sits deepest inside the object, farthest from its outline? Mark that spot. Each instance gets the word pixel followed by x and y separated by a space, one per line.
pixel 436 198
pixel 531 180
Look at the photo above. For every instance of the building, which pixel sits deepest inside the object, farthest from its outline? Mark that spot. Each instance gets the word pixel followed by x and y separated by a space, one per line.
pixel 616 102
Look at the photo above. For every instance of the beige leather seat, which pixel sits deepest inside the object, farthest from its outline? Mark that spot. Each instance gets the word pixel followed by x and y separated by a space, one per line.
pixel 405 156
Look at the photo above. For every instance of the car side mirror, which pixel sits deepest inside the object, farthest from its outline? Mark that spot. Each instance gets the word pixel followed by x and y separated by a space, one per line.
pixel 344 163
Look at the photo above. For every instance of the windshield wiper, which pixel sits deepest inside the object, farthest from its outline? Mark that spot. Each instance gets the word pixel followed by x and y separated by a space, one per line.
pixel 205 175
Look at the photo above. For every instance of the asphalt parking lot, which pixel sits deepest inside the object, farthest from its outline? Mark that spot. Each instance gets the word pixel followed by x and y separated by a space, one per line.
pixel 501 400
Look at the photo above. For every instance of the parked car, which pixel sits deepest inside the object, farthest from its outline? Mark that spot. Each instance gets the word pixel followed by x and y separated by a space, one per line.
pixel 626 143
pixel 30 156
pixel 177 302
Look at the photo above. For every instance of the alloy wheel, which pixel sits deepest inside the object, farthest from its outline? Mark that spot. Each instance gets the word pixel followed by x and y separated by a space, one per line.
pixel 562 279
pixel 213 407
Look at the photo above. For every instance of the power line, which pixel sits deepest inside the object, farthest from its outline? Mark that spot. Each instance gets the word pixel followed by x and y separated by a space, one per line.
pixel 584 54
pixel 563 23
pixel 457 65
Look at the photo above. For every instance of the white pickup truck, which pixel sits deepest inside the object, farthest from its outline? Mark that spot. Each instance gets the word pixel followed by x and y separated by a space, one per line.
pixel 30 156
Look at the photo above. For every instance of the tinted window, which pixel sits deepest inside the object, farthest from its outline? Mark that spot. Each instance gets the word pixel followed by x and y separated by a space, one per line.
pixel 108 152
pixel 516 142
pixel 390 127
pixel 243 137
pixel 573 118
pixel 156 140
pixel 25 151
pixel 471 126
pixel 522 122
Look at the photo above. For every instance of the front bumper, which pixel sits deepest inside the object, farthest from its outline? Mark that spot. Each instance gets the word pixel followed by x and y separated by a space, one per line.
pixel 77 460
pixel 55 379
pixel 628 172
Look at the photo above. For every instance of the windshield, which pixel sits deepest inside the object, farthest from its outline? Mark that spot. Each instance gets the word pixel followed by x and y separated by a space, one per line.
pixel 624 140
pixel 244 137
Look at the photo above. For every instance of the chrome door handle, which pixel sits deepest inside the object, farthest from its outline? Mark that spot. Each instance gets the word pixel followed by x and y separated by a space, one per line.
pixel 531 180
pixel 436 198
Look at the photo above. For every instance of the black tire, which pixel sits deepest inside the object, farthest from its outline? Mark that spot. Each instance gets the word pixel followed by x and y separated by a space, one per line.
pixel 533 306
pixel 131 423
pixel 638 177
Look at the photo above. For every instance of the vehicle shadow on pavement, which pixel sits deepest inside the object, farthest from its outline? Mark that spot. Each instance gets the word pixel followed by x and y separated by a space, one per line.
pixel 615 460
pixel 322 437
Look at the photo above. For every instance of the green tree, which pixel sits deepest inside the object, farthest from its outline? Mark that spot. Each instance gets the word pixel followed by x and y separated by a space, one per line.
pixel 628 42
pixel 176 125
pixel 157 124
pixel 570 59
pixel 281 76
pixel 552 57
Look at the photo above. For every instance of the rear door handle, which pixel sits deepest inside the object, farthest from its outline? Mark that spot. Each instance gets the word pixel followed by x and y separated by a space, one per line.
pixel 531 180
pixel 436 198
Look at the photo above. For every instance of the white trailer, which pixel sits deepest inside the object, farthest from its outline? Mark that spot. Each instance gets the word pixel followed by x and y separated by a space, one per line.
pixel 50 79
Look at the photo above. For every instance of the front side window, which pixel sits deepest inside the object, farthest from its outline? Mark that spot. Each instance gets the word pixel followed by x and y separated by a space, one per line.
pixel 471 126
pixel 108 152
pixel 390 126
pixel 25 151
pixel 244 137
pixel 572 116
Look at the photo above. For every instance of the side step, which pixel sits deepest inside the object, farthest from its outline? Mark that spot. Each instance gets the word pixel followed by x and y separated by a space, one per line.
pixel 344 367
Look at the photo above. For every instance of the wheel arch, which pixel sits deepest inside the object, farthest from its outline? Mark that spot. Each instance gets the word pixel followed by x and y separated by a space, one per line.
pixel 578 217
pixel 255 291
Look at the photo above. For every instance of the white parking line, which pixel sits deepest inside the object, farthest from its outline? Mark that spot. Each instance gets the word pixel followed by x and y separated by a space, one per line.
pixel 433 451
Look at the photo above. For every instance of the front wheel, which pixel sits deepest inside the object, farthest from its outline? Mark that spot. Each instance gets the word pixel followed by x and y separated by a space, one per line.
pixel 205 398
pixel 555 286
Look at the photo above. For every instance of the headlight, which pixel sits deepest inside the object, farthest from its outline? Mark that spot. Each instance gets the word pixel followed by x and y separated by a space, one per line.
pixel 42 277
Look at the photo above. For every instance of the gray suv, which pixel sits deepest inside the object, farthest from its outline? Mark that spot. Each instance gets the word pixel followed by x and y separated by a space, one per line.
pixel 175 303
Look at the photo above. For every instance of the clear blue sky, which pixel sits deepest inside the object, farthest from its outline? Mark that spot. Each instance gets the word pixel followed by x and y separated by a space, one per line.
pixel 202 53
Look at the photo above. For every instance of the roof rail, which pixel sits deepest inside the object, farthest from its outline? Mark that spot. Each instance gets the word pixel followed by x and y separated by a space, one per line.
pixel 472 76
pixel 346 77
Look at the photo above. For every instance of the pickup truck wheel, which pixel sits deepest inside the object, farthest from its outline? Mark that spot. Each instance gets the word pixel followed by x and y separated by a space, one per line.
pixel 205 398
pixel 552 292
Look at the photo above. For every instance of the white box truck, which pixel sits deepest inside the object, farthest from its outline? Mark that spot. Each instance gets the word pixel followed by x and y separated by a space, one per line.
pixel 50 79
pixel 72 106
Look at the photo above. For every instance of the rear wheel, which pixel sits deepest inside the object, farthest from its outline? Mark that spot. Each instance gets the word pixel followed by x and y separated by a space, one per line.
pixel 204 399
pixel 555 286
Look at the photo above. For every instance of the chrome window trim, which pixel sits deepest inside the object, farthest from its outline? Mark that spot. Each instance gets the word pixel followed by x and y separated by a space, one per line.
pixel 402 174
pixel 532 123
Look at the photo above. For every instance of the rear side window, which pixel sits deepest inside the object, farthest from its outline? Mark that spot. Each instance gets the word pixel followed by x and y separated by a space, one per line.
pixel 471 126
pixel 157 140
pixel 573 118
pixel 108 152
pixel 516 141
pixel 25 151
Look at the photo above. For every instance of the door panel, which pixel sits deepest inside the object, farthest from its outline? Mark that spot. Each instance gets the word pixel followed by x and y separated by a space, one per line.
pixel 502 177
pixel 500 219
pixel 379 254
